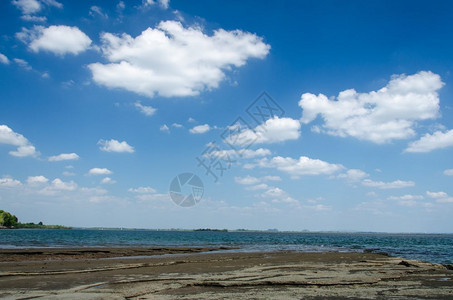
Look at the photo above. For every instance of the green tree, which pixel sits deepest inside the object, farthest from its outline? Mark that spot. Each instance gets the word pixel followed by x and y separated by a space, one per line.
pixel 7 219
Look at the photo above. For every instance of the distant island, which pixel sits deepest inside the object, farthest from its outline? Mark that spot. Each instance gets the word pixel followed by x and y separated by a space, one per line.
pixel 9 221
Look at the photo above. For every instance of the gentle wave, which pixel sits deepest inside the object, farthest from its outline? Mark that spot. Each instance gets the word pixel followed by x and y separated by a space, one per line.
pixel 437 248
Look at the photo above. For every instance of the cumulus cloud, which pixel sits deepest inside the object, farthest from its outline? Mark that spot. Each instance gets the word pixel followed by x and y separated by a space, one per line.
pixel 430 142
pixel 200 129
pixel 115 146
pixel 406 200
pixel 64 156
pixel 246 180
pixel 23 64
pixel 302 166
pixel 249 180
pixel 273 192
pixel 58 39
pixel 448 172
pixel 243 153
pixel 99 171
pixel 173 61
pixel 147 110
pixel 57 185
pixel 162 3
pixel 440 197
pixel 272 131
pixel 33 18
pixel 97 11
pixel 261 186
pixel 406 197
pixel 108 180
pixel 4 59
pixel 28 7
pixel 378 116
pixel 353 175
pixel 8 182
pixel 37 180
pixel 397 184
pixel 142 190
pixel 164 128
pixel 9 137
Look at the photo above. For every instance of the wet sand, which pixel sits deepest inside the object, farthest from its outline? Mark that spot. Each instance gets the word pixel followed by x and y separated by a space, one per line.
pixel 197 273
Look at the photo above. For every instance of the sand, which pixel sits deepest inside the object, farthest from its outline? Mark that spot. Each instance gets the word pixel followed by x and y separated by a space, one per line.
pixel 196 273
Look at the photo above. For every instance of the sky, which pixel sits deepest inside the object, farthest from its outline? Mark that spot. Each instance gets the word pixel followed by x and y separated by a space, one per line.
pixel 295 115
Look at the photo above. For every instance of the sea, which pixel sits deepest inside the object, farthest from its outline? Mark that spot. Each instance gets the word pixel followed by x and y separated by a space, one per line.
pixel 436 248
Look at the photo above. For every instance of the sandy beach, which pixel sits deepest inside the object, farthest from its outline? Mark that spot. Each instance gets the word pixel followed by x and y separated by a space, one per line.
pixel 203 273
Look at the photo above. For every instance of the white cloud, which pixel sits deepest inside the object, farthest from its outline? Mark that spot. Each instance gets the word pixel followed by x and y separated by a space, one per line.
pixel 303 166
pixel 66 173
pixel 144 109
pixel 353 175
pixel 273 192
pixel 52 3
pixel 173 61
pixel 4 59
pixel 448 172
pixel 397 184
pixel 23 64
pixel 249 153
pixel 271 178
pixel 9 137
pixel 30 7
pixel 9 182
pixel 115 146
pixel 319 207
pixel 440 197
pixel 58 39
pixel 177 125
pixel 407 200
pixel 246 180
pixel 261 186
pixel 243 153
pixel 272 131
pixel 35 180
pixel 64 156
pixel 162 3
pixel 250 180
pixel 108 180
pixel 200 129
pixel 96 10
pixel 27 6
pixel 430 142
pixel 58 185
pixel 378 116
pixel 120 6
pixel 99 171
pixel 143 190
pixel 164 128
pixel 29 18
pixel 406 197
pixel 24 151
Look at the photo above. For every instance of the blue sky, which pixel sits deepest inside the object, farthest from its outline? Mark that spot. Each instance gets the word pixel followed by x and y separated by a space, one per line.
pixel 103 103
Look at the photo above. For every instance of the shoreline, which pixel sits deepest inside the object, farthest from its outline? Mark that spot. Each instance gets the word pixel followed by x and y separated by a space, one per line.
pixel 209 273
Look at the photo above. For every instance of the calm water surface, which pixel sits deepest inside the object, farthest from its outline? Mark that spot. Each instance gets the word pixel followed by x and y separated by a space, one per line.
pixel 428 247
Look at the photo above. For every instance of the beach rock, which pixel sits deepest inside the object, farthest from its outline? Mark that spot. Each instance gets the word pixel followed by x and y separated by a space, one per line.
pixel 407 264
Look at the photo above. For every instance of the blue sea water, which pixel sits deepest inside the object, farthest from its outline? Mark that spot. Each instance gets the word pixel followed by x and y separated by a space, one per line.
pixel 437 248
